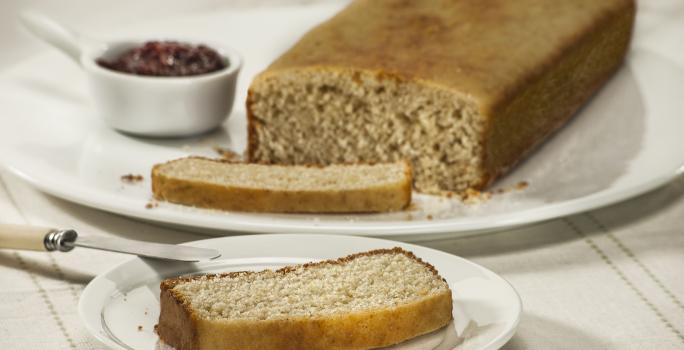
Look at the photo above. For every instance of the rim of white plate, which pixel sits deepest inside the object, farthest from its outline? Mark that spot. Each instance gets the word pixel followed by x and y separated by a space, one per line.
pixel 235 222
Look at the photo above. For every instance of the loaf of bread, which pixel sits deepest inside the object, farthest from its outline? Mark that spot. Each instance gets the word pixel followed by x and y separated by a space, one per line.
pixel 362 301
pixel 225 185
pixel 462 88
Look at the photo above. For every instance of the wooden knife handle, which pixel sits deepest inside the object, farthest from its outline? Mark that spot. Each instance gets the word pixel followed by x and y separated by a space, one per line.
pixel 23 236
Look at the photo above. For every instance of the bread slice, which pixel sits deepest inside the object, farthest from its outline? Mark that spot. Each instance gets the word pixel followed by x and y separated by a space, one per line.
pixel 464 89
pixel 362 301
pixel 225 185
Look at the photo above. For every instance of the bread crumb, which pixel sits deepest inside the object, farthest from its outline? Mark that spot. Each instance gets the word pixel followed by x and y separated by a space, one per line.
pixel 151 205
pixel 522 185
pixel 228 154
pixel 473 196
pixel 140 328
pixel 519 187
pixel 132 178
pixel 429 217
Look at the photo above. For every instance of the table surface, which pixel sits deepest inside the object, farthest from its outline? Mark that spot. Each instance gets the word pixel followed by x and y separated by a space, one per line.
pixel 608 279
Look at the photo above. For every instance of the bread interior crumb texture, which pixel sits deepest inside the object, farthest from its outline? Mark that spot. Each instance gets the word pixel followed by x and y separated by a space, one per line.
pixel 371 118
pixel 361 284
pixel 291 178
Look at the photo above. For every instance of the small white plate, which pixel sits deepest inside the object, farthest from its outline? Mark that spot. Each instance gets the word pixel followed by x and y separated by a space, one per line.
pixel 120 307
pixel 626 141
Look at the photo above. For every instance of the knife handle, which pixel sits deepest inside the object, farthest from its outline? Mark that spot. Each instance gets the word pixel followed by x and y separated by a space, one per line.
pixel 28 237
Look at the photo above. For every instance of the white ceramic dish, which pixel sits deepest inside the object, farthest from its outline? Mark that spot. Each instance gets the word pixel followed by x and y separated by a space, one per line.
pixel 144 105
pixel 486 308
pixel 162 106
pixel 627 141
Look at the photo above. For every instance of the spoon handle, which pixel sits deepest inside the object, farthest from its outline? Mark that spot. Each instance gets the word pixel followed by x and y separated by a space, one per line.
pixel 52 33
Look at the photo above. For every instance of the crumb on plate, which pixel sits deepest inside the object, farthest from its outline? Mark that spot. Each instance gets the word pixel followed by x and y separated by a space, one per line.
pixel 522 185
pixel 132 178
pixel 227 154
pixel 473 196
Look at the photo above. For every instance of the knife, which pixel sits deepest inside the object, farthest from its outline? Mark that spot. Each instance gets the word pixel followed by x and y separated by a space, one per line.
pixel 49 239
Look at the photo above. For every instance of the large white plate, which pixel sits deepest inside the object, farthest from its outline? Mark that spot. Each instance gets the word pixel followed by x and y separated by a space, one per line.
pixel 114 304
pixel 627 141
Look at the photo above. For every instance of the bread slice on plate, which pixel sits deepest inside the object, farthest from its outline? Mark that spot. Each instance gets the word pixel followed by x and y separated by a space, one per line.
pixel 362 301
pixel 219 184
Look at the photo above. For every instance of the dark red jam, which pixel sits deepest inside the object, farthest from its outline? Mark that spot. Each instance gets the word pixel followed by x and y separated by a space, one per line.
pixel 167 59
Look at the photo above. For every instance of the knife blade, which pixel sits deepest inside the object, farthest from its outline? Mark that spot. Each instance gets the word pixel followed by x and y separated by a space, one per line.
pixel 30 237
pixel 147 249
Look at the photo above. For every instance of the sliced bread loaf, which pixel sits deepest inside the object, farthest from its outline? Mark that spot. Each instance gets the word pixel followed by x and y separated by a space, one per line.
pixel 463 89
pixel 362 301
pixel 226 185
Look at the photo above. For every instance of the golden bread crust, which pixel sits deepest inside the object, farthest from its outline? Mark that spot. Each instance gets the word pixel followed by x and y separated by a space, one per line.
pixel 550 97
pixel 490 50
pixel 365 330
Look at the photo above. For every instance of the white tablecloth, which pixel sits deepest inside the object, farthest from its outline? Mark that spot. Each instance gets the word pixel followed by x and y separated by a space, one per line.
pixel 608 279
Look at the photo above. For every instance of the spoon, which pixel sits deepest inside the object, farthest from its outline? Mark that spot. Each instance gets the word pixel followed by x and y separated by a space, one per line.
pixel 145 105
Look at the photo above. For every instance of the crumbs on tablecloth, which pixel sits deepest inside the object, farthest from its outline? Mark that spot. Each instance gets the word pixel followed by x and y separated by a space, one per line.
pixel 140 328
pixel 228 154
pixel 132 178
pixel 429 217
pixel 151 204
